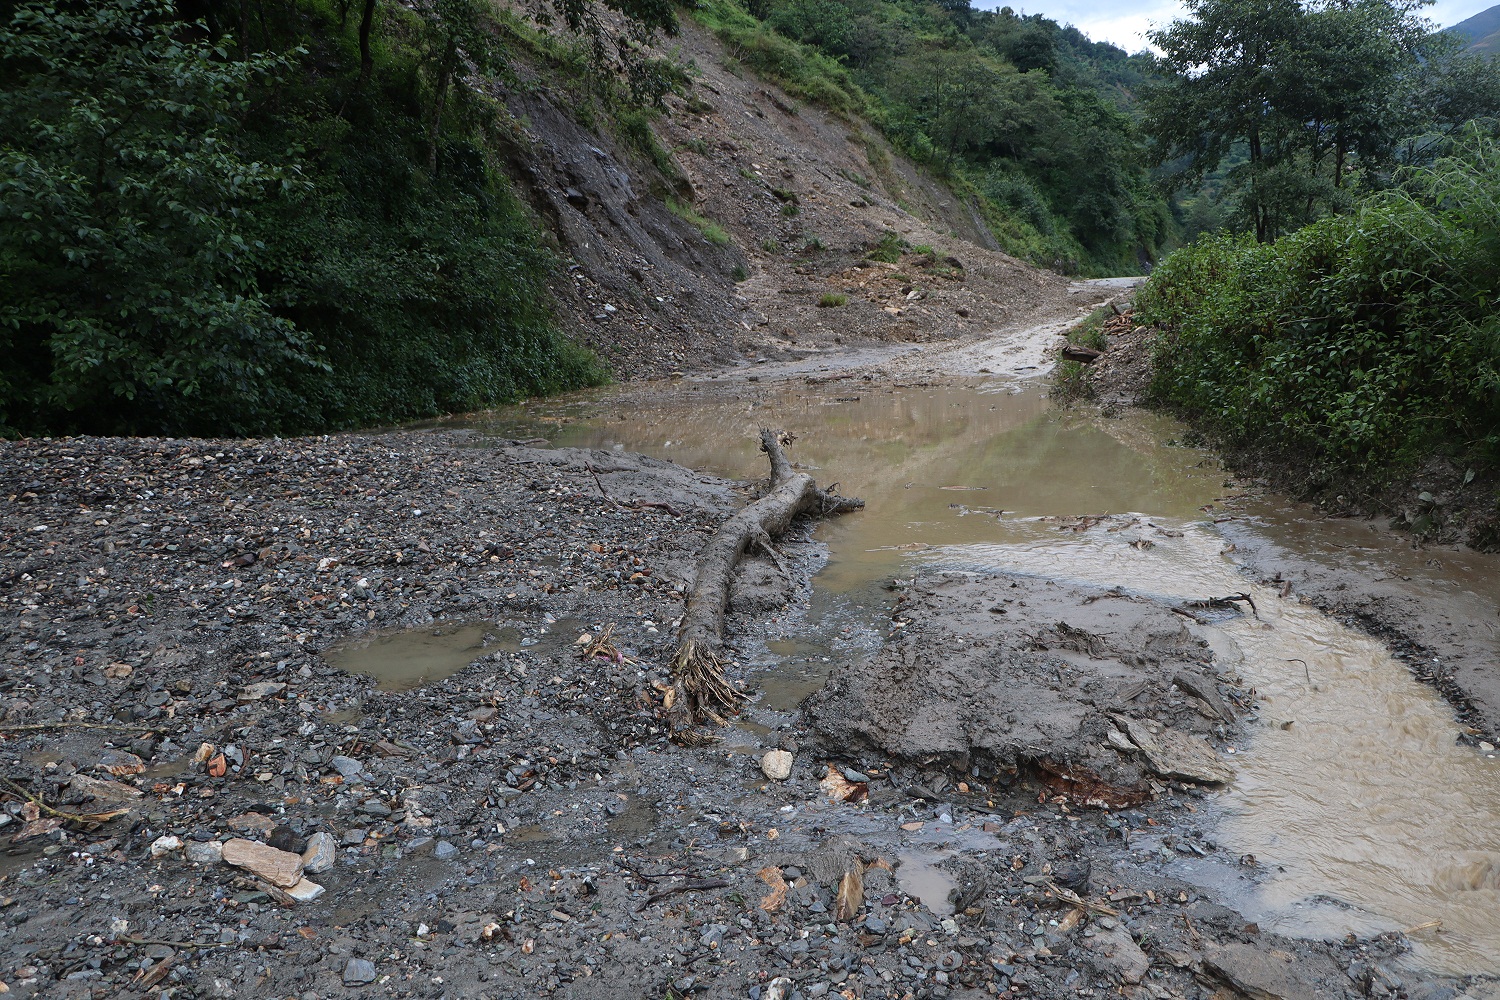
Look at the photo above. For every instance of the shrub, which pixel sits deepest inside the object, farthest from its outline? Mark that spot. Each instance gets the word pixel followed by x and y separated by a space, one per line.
pixel 831 300
pixel 1362 343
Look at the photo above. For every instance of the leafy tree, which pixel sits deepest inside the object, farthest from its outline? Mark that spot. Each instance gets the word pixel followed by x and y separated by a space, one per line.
pixel 1312 95
pixel 125 211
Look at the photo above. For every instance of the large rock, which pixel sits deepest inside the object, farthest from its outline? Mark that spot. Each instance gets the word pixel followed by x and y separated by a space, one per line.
pixel 321 852
pixel 280 868
pixel 1116 951
pixel 1172 754
pixel 776 765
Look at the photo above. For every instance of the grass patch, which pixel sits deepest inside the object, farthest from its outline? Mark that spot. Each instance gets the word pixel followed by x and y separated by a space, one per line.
pixel 889 248
pixel 832 300
pixel 712 231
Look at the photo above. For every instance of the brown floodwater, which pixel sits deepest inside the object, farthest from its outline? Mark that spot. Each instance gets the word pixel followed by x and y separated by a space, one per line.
pixel 1361 810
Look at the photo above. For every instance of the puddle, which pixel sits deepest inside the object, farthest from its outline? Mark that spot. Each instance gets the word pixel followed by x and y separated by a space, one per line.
pixel 1363 814
pixel 403 661
pixel 918 875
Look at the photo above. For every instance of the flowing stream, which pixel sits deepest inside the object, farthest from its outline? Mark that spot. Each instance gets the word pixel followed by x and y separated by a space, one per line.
pixel 1363 811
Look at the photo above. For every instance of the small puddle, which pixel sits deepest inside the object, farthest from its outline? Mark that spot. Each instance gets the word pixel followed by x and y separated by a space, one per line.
pixel 1363 814
pixel 920 876
pixel 403 661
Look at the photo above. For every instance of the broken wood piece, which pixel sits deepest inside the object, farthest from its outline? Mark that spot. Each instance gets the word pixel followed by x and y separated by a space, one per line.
pixel 702 692
pixel 1082 355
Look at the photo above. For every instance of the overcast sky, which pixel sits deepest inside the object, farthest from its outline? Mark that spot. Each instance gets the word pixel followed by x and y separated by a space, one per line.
pixel 1126 24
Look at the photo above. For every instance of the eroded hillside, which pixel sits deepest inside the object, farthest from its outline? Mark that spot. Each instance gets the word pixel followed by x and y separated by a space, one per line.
pixel 763 249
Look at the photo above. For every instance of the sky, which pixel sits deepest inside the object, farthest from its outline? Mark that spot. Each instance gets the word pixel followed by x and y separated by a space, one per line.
pixel 1126 25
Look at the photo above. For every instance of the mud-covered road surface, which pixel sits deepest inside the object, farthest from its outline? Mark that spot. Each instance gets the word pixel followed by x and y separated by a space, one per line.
pixel 434 661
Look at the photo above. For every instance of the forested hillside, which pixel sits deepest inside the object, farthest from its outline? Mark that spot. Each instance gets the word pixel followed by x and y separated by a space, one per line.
pixel 1030 118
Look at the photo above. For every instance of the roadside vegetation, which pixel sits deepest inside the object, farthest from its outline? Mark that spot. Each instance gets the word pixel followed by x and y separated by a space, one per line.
pixel 1358 347
pixel 281 217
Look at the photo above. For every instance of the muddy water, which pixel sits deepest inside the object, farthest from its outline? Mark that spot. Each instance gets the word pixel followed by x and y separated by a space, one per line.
pixel 402 661
pixel 1360 811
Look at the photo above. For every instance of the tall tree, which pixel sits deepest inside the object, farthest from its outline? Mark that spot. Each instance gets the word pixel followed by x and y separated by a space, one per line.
pixel 1305 95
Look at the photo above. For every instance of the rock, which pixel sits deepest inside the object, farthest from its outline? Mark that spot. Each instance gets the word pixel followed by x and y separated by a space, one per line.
pixel 359 972
pixel 162 846
pixel 780 989
pixel 252 822
pixel 353 838
pixel 348 767
pixel 1259 974
pixel 284 838
pixel 120 763
pixel 444 850
pixel 280 868
pixel 264 689
pixel 1174 754
pixel 204 852
pixel 107 792
pixel 1117 951
pixel 305 891
pixel 321 852
pixel 776 765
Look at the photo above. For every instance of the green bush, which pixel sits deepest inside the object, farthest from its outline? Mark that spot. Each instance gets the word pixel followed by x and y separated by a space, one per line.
pixel 832 300
pixel 198 241
pixel 1360 344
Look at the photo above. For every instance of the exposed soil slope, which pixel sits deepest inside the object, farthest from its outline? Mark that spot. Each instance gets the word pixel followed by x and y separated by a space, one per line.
pixel 803 195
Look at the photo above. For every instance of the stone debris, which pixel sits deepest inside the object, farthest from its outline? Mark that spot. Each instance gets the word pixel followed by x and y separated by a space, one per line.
pixel 279 868
pixel 1114 948
pixel 162 846
pixel 359 972
pixel 305 891
pixel 204 852
pixel 776 765
pixel 320 853
pixel 1174 754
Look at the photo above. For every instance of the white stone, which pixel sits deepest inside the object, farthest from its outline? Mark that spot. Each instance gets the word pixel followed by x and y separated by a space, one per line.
pixel 305 891
pixel 776 765
pixel 163 846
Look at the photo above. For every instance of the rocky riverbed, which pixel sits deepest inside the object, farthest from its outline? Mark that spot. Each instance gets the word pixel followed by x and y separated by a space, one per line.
pixel 199 803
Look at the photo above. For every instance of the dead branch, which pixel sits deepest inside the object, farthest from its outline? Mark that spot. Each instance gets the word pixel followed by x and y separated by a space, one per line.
pixel 701 691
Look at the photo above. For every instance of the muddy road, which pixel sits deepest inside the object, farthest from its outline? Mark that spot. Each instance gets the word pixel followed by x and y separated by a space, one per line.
pixel 1067 711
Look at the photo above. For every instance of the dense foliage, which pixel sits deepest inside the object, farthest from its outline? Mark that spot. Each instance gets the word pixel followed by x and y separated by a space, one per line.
pixel 1360 344
pixel 1297 106
pixel 277 218
pixel 1028 119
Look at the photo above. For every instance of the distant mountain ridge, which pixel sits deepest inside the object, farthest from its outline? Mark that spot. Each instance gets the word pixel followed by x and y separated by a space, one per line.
pixel 1482 31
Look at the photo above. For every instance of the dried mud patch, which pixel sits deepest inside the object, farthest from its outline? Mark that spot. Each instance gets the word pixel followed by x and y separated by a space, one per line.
pixel 1014 671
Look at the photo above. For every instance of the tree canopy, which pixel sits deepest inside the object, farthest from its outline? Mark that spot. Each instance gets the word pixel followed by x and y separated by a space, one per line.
pixel 1306 101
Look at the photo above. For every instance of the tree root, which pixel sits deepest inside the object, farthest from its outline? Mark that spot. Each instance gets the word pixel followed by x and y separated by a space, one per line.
pixel 700 692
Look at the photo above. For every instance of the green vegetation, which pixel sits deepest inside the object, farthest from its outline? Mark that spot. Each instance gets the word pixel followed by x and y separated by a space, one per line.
pixel 889 249
pixel 1026 120
pixel 1070 382
pixel 287 216
pixel 1291 109
pixel 1090 333
pixel 1359 345
pixel 832 300
pixel 712 231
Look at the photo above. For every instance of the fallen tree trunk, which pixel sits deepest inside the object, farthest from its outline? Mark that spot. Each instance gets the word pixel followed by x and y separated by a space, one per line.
pixel 700 691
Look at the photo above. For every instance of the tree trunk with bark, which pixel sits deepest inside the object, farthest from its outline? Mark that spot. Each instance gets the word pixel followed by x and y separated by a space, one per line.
pixel 700 692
